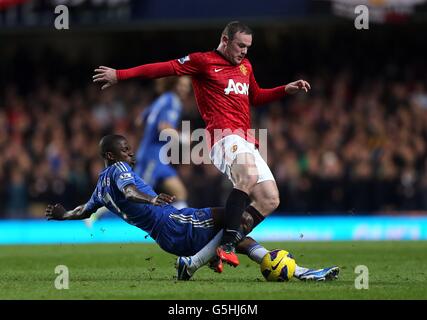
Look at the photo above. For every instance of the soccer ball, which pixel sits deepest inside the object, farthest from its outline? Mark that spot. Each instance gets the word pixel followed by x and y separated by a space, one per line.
pixel 278 265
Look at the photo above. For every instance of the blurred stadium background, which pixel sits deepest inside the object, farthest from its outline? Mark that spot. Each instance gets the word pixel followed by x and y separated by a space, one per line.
pixel 350 158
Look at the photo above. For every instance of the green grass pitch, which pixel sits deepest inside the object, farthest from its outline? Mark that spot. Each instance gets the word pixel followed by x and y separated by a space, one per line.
pixel 397 270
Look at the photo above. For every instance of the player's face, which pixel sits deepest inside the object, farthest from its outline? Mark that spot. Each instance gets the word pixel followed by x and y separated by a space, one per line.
pixel 237 48
pixel 124 153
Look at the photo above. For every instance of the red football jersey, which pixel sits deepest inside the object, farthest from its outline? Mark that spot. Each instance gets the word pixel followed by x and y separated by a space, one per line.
pixel 223 91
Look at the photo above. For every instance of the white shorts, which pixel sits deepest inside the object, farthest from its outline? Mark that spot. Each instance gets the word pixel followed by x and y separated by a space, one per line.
pixel 225 151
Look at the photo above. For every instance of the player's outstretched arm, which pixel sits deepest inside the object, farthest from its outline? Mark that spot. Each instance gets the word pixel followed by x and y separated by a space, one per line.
pixel 109 76
pixel 58 212
pixel 132 193
pixel 296 86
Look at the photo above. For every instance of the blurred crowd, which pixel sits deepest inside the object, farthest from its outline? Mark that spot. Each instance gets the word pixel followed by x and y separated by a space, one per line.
pixel 349 147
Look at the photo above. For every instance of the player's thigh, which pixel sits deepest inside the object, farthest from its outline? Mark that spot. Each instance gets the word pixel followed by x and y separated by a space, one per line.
pixel 244 171
pixel 235 157
pixel 202 228
pixel 265 197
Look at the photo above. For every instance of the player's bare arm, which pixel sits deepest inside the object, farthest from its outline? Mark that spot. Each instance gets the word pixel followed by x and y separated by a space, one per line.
pixel 105 75
pixel 132 193
pixel 296 86
pixel 58 212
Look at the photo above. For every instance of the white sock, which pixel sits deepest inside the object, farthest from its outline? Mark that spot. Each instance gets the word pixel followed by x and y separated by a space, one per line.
pixel 257 252
pixel 207 252
pixel 300 270
pixel 180 204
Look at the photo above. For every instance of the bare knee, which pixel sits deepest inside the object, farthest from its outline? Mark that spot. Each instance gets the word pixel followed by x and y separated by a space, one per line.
pixel 268 204
pixel 273 202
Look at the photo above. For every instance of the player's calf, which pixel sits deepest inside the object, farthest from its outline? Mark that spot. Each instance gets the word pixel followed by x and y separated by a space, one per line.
pixel 265 196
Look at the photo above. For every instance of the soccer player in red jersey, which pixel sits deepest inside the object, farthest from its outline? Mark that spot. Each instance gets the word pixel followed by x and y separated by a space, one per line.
pixel 224 86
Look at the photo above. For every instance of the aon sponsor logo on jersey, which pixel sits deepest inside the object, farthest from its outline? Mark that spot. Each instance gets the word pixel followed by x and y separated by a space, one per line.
pixel 237 87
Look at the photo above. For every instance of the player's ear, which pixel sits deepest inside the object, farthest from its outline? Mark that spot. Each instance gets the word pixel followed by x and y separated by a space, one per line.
pixel 109 156
pixel 224 39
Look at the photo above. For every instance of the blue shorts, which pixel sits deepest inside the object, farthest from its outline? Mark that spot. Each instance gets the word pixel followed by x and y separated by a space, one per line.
pixel 186 231
pixel 153 172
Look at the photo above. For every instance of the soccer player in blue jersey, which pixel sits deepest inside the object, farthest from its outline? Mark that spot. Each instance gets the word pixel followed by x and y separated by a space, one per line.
pixel 183 232
pixel 162 115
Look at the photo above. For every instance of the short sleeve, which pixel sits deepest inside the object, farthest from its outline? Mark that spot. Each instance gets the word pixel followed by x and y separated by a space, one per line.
pixel 191 64
pixel 123 175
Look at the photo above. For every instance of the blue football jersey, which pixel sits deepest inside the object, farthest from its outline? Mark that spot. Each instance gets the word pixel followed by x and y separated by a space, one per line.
pixel 166 108
pixel 109 193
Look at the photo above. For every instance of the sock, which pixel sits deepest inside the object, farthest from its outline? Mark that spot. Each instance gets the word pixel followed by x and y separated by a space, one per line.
pixel 256 252
pixel 180 204
pixel 256 215
pixel 300 270
pixel 207 252
pixel 236 203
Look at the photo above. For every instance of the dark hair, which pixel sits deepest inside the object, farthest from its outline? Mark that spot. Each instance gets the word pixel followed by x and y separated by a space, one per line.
pixel 108 143
pixel 235 26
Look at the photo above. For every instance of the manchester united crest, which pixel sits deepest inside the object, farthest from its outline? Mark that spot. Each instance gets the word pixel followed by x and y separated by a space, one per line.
pixel 243 69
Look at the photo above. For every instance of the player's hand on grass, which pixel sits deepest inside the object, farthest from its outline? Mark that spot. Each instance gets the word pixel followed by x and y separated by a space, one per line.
pixel 106 76
pixel 55 212
pixel 296 86
pixel 162 198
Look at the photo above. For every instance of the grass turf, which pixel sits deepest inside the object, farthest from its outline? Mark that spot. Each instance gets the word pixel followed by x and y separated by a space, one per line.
pixel 397 270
